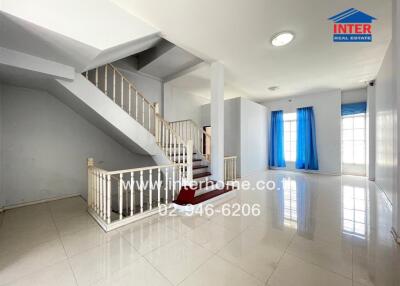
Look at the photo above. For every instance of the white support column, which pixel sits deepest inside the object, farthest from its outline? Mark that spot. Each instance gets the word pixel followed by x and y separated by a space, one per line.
pixel 217 121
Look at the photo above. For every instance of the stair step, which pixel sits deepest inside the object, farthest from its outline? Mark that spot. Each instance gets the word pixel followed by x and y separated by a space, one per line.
pixel 201 175
pixel 197 167
pixel 205 197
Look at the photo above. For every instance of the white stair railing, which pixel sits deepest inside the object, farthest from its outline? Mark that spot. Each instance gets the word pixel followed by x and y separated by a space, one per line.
pixel 230 171
pixel 120 90
pixel 123 93
pixel 189 130
pixel 116 198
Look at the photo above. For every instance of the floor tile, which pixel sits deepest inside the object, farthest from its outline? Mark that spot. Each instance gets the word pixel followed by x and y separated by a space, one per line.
pixel 361 273
pixel 75 224
pixel 218 272
pixel 297 240
pixel 103 261
pixel 140 272
pixel 327 256
pixel 295 272
pixel 182 223
pixel 254 253
pixel 59 274
pixel 84 240
pixel 67 208
pixel 178 259
pixel 149 237
pixel 14 265
pixel 26 238
pixel 212 236
pixel 235 223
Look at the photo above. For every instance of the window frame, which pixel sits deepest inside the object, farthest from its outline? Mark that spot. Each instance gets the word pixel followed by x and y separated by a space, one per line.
pixel 290 120
pixel 353 167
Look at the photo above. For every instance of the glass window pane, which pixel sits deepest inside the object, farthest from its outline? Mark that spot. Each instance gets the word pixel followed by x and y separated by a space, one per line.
pixel 360 217
pixel 347 123
pixel 348 225
pixel 359 122
pixel 359 153
pixel 359 134
pixel 347 135
pixel 347 155
pixel 359 193
pixel 359 228
pixel 359 205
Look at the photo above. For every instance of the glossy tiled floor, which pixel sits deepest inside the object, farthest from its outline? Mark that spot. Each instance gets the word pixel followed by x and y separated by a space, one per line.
pixel 314 230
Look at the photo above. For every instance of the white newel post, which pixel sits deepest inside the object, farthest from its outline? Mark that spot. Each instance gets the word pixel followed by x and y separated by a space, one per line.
pixel 90 165
pixel 189 161
pixel 157 112
pixel 217 121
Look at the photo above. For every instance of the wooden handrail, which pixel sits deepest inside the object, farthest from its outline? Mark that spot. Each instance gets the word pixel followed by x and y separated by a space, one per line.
pixel 145 168
pixel 194 123
pixel 230 157
pixel 131 84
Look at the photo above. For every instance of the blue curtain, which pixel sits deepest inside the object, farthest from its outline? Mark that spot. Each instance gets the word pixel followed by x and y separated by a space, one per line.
pixel 276 157
pixel 307 157
pixel 354 108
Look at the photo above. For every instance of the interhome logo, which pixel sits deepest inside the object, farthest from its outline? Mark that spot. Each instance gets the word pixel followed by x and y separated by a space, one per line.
pixel 352 26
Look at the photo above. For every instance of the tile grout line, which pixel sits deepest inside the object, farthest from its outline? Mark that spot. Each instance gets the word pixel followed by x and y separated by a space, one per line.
pixel 59 237
pixel 231 263
pixel 156 269
pixel 212 252
pixel 319 266
pixel 280 259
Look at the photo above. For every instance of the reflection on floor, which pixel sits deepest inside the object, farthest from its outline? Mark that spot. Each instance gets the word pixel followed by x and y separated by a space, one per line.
pixel 313 230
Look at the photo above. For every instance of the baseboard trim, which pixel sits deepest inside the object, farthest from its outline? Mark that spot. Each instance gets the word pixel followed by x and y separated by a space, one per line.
pixel 9 207
pixel 300 171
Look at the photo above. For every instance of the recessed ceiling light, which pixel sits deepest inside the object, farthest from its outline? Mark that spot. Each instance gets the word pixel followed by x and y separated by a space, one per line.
pixel 273 88
pixel 282 39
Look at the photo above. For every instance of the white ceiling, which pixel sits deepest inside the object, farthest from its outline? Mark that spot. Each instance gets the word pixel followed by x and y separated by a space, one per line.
pixel 197 82
pixel 238 32
pixel 69 32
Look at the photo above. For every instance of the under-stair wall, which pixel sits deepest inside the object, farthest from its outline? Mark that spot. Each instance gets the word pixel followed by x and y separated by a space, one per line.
pixel 45 145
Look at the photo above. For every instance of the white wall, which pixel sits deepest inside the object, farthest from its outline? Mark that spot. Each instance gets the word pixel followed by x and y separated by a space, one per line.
pixel 45 145
pixel 396 41
pixel 371 132
pixel 354 95
pixel 245 133
pixel 1 153
pixel 327 110
pixel 150 87
pixel 181 105
pixel 231 127
pixel 253 137
pixel 386 127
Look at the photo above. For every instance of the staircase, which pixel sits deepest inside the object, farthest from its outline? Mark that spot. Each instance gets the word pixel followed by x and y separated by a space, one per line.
pixel 172 138
pixel 119 197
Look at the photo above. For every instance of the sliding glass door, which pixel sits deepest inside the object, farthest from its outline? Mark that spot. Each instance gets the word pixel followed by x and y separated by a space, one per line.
pixel 354 144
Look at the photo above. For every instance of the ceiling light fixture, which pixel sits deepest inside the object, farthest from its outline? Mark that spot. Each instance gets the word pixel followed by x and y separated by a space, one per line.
pixel 282 39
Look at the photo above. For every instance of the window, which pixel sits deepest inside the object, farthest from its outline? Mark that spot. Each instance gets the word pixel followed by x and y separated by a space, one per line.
pixel 354 200
pixel 290 202
pixel 290 136
pixel 353 144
